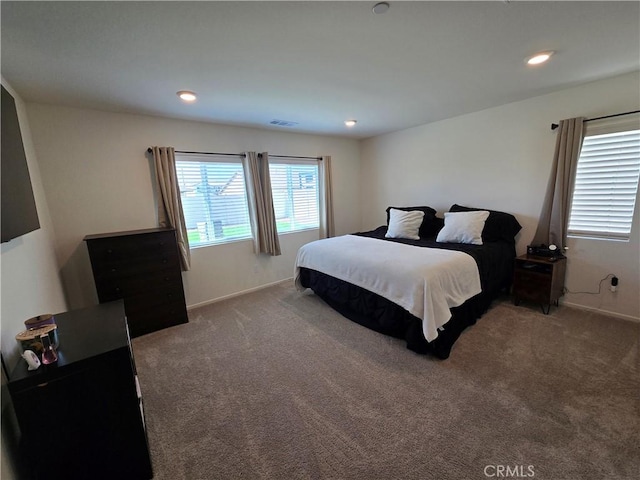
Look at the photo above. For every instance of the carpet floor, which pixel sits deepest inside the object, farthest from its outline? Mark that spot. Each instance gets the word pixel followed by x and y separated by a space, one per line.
pixel 276 385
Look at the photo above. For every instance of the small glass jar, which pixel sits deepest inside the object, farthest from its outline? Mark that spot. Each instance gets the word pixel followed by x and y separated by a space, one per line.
pixel 49 354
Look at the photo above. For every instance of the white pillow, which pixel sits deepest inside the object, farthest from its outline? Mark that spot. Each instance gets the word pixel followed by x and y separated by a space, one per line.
pixel 404 224
pixel 463 227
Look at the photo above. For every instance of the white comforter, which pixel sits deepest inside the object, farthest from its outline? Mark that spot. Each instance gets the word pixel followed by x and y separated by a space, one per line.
pixel 426 282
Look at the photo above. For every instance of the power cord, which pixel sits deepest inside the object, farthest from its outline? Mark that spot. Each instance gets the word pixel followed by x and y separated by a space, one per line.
pixel 611 275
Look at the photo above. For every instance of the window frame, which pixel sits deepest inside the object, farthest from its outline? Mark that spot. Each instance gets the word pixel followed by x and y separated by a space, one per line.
pixel 201 158
pixel 606 127
pixel 296 161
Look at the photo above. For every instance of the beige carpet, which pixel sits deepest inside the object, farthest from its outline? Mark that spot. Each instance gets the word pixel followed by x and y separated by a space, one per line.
pixel 276 385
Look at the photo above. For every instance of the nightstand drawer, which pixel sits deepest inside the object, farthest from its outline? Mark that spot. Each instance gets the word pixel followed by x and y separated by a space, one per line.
pixel 534 267
pixel 532 287
pixel 526 279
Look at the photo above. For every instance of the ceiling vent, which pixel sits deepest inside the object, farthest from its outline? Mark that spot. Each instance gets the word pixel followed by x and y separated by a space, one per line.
pixel 283 123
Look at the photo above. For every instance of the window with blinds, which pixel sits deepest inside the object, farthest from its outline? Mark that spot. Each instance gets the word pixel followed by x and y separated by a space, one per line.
pixel 606 186
pixel 214 198
pixel 294 185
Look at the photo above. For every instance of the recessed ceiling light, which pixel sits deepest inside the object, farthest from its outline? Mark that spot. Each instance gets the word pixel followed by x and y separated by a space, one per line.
pixel 380 7
pixel 350 123
pixel 187 96
pixel 539 58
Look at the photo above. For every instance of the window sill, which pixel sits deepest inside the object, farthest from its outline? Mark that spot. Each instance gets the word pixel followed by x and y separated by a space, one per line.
pixel 237 240
pixel 299 231
pixel 223 242
pixel 593 237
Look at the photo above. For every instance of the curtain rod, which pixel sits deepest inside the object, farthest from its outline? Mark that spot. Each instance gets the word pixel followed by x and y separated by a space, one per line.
pixel 293 156
pixel 555 125
pixel 149 150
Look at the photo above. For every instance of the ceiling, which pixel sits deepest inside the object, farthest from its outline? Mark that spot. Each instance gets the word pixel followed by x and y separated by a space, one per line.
pixel 313 63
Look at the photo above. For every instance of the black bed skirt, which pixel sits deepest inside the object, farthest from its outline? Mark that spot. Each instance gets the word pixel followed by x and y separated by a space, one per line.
pixel 379 314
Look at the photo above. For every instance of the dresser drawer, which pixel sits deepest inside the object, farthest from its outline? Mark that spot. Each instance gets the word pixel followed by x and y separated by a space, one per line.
pixel 123 249
pixel 135 267
pixel 156 317
pixel 150 300
pixel 112 289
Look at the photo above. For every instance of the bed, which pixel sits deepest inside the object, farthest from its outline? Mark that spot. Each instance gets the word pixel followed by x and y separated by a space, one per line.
pixel 419 277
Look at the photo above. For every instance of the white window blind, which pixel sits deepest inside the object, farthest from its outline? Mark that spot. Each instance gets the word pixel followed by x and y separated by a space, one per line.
pixel 606 185
pixel 294 185
pixel 214 198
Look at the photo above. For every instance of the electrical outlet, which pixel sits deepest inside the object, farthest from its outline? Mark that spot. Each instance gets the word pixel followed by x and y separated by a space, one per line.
pixel 614 283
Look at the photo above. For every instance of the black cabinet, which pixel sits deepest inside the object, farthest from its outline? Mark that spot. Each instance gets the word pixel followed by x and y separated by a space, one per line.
pixel 82 417
pixel 142 267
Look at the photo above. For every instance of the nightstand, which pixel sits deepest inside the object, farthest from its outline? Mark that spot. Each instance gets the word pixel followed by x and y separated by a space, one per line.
pixel 539 280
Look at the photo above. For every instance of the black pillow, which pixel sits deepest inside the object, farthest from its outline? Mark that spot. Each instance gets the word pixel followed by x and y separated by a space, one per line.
pixel 430 226
pixel 499 227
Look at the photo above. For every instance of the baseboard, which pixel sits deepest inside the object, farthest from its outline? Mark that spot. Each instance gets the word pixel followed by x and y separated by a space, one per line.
pixel 604 312
pixel 237 294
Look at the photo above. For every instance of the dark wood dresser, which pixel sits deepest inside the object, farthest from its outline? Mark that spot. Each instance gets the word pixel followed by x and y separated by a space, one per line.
pixel 82 417
pixel 142 267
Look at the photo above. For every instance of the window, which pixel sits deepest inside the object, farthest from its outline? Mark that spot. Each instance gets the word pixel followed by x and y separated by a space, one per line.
pixel 294 185
pixel 606 185
pixel 214 198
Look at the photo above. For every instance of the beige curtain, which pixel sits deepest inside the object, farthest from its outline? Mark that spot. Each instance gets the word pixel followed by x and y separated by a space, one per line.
pixel 327 228
pixel 554 217
pixel 261 212
pixel 170 213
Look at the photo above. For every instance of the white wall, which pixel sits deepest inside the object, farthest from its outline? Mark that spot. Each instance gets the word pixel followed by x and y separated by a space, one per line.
pixel 30 283
pixel 30 279
pixel 98 178
pixel 500 158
